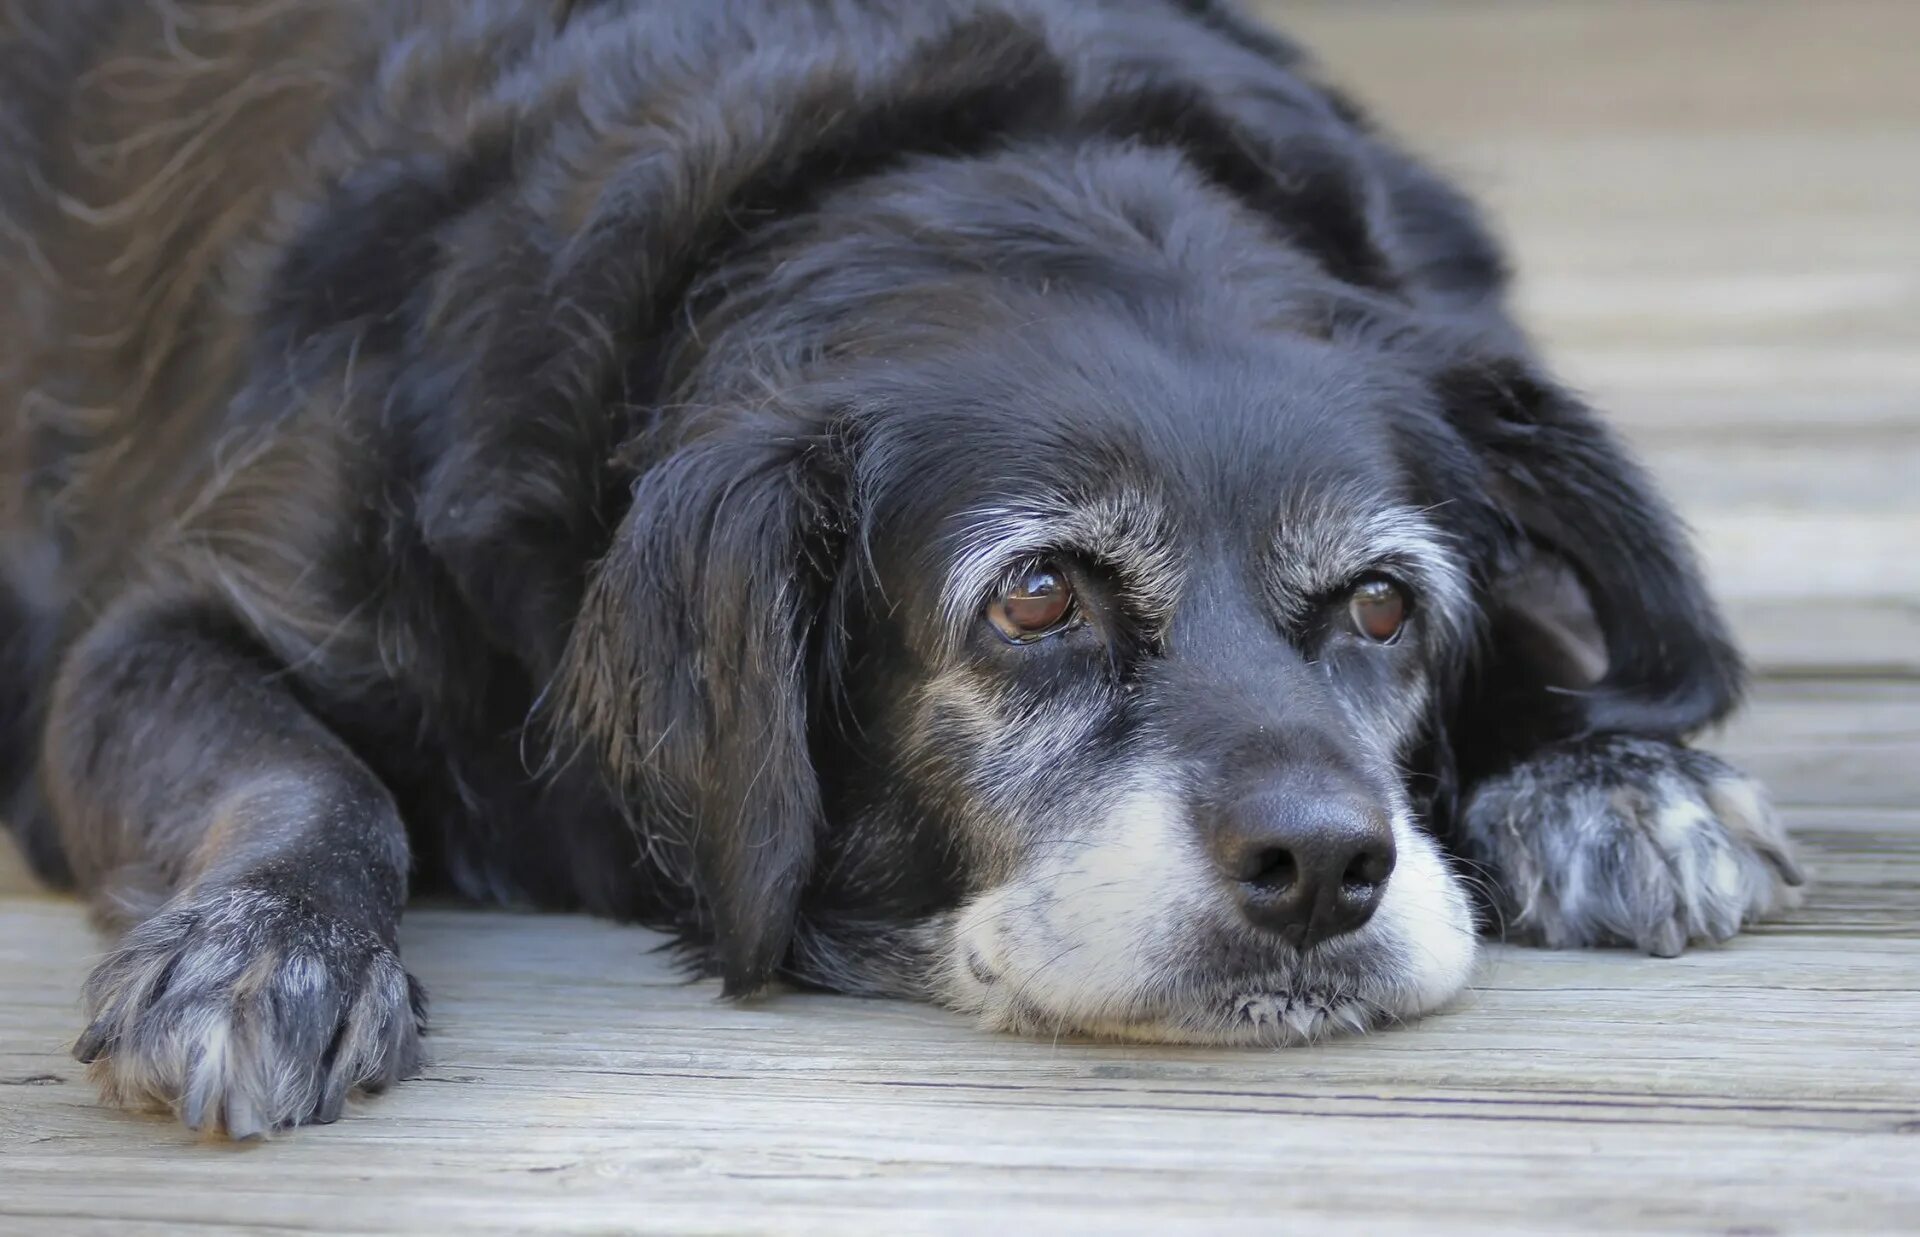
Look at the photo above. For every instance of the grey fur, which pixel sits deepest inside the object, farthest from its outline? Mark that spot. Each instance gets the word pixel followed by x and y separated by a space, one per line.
pixel 1618 839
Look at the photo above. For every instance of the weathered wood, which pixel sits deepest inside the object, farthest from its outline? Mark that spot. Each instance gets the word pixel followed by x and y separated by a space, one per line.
pixel 1713 208
pixel 1769 1083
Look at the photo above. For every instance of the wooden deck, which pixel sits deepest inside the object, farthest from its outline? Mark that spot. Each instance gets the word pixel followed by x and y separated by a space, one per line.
pixel 1717 212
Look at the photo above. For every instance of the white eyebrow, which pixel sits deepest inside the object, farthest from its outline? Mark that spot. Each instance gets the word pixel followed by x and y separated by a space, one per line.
pixel 1334 537
pixel 1127 531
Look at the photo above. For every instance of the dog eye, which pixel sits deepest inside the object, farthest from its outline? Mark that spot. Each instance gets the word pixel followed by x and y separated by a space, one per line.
pixel 1378 609
pixel 1037 603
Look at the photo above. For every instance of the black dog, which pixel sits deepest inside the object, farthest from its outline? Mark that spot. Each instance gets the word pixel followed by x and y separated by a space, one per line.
pixel 1026 504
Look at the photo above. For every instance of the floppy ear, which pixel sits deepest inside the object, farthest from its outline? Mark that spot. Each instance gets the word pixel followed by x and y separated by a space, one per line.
pixel 688 673
pixel 1564 491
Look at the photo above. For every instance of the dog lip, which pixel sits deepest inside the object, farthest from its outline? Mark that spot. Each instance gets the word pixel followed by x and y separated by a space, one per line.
pixel 1247 1017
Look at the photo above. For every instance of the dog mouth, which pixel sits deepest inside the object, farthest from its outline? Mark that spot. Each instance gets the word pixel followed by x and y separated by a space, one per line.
pixel 1253 1019
pixel 1273 1011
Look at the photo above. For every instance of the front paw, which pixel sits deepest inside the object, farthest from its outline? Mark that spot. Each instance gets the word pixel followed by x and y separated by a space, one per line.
pixel 1619 839
pixel 248 1011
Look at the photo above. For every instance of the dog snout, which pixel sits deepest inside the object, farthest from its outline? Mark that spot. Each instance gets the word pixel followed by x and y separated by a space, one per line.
pixel 1305 864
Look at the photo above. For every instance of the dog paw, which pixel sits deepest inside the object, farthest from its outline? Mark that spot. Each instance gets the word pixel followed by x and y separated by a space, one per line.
pixel 246 1012
pixel 1620 839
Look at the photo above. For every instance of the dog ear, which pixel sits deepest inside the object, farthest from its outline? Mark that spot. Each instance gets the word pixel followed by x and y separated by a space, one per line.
pixel 688 674
pixel 1561 489
pixel 687 668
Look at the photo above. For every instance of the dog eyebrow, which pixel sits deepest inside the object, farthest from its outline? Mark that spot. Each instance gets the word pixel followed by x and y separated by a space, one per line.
pixel 1328 541
pixel 1127 531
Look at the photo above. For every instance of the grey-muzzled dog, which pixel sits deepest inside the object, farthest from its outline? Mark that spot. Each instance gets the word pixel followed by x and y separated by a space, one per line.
pixel 1031 505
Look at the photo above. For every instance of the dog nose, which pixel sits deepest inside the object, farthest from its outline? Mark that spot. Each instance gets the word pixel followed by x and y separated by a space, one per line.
pixel 1306 867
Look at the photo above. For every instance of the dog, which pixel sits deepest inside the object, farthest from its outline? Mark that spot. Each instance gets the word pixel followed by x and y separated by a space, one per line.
pixel 1033 506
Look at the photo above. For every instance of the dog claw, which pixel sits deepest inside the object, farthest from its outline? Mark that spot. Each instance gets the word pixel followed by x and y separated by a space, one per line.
pixel 243 1120
pixel 92 1042
pixel 333 1100
pixel 1791 873
pixel 193 1111
pixel 1669 940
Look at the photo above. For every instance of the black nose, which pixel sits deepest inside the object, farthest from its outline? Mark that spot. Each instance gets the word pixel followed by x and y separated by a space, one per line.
pixel 1307 865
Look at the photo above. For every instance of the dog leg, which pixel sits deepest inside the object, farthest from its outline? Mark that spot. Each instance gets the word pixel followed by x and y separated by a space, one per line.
pixel 1620 839
pixel 262 865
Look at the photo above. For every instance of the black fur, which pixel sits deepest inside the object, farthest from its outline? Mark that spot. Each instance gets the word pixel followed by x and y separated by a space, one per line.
pixel 550 435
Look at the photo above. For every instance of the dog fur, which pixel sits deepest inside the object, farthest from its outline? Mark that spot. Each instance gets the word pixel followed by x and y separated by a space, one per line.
pixel 563 456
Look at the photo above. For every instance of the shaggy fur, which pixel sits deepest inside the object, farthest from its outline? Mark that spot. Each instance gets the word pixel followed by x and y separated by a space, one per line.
pixel 568 454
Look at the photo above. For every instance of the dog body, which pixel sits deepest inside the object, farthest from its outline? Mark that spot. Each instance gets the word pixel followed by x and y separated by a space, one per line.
pixel 1022 504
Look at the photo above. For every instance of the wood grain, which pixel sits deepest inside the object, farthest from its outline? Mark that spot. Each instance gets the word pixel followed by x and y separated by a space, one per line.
pixel 1714 208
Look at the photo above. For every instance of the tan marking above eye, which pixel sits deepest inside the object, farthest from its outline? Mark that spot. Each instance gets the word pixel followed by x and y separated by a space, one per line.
pixel 1378 609
pixel 1037 603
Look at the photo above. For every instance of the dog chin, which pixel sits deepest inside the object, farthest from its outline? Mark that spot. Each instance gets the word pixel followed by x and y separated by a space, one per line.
pixel 1415 956
pixel 1277 1012
pixel 1270 1018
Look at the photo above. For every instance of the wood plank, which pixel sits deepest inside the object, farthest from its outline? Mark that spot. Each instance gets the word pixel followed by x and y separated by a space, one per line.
pixel 1850 636
pixel 1517 69
pixel 1835 744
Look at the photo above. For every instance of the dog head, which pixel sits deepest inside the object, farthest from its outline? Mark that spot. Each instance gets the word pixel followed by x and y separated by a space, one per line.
pixel 1144 633
pixel 1058 559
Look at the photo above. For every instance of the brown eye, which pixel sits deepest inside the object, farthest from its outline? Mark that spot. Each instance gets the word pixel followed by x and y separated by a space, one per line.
pixel 1037 603
pixel 1378 609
